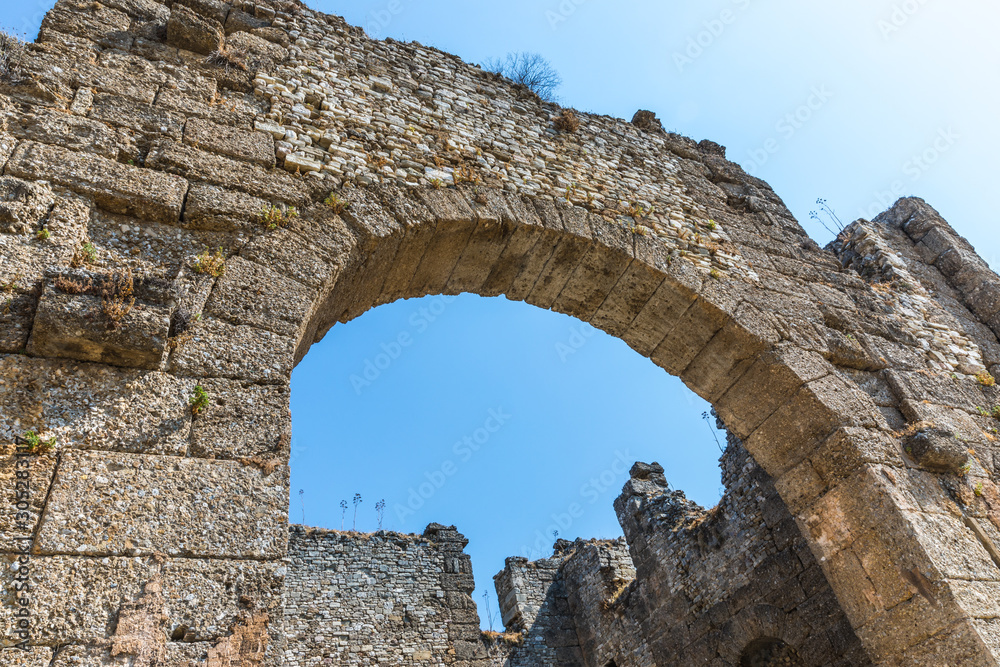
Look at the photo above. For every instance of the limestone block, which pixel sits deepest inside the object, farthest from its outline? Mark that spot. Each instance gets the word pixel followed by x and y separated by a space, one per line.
pixel 242 420
pixel 961 642
pixel 312 250
pixel 23 478
pixel 207 598
pixel 390 257
pixel 796 428
pixel 454 227
pixel 7 145
pixel 627 299
pixel 91 406
pixel 193 32
pixel 116 187
pixel 211 207
pixel 23 204
pixel 850 448
pixel 144 10
pixel 520 251
pixel 615 234
pixel 148 121
pixel 986 299
pixel 874 384
pixel 79 599
pixel 17 311
pixel 660 314
pixel 937 241
pixel 238 21
pixel 572 246
pixel 251 294
pixel 74 326
pixel 265 54
pixel 212 9
pixel 88 656
pixel 938 449
pixel 591 282
pixel 114 504
pixel 488 241
pixel 20 283
pixel 298 163
pixel 255 147
pixel 121 73
pixel 691 333
pixel 101 24
pixel 221 349
pixel 193 102
pixel 891 634
pixel 959 423
pixel 67 131
pixel 848 352
pixel 35 656
pixel 725 359
pixel 895 355
pixel 938 389
pixel 496 219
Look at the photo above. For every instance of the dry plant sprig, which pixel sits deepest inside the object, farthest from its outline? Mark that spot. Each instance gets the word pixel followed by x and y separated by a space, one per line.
pixel 567 121
pixel 72 285
pixel 229 58
pixel 12 50
pixel 118 296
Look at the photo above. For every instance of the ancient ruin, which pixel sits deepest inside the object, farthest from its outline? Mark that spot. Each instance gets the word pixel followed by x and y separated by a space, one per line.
pixel 194 191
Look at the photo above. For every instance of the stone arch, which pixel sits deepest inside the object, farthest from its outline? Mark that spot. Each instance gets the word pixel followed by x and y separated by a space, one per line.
pixel 816 433
pixel 715 333
pixel 762 635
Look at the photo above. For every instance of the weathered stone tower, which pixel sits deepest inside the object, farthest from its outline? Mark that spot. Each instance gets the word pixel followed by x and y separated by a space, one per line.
pixel 195 191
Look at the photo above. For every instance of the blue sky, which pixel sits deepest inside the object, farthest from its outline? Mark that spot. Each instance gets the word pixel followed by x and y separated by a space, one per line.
pixel 858 102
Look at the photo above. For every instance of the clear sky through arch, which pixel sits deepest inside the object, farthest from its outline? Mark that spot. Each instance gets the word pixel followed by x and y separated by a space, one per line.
pixel 506 420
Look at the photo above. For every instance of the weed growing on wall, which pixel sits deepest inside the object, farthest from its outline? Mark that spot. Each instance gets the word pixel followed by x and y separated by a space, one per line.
pixel 117 297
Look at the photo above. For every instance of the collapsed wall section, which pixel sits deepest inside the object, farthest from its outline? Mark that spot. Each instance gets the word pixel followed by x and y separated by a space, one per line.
pixel 714 584
pixel 692 586
pixel 379 599
pixel 534 602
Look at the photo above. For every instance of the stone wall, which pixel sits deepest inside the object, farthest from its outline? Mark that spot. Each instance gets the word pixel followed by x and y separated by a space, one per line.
pixel 705 587
pixel 534 601
pixel 381 599
pixel 194 191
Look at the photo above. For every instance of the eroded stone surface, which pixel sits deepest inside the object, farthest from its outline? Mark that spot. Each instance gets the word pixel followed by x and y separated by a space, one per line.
pixel 90 406
pixel 112 504
pixel 201 600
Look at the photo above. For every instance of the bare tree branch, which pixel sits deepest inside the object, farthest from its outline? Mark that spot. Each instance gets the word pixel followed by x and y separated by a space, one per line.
pixel 530 70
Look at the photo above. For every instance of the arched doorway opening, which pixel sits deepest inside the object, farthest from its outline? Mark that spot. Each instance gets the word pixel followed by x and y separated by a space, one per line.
pixel 708 328
pixel 517 425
